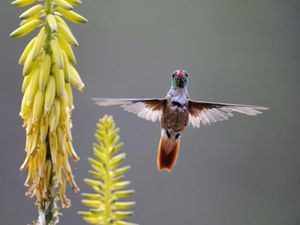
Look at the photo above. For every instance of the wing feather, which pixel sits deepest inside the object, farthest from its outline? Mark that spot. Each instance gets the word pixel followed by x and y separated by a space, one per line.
pixel 210 112
pixel 146 108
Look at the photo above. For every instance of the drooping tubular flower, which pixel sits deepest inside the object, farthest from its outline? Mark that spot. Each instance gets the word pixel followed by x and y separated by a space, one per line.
pixel 48 69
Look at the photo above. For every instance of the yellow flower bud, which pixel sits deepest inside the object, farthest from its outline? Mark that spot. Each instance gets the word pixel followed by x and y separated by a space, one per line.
pixel 21 3
pixel 33 86
pixel 26 28
pixel 26 81
pixel 29 63
pixel 67 49
pixel 31 11
pixel 56 53
pixel 39 42
pixel 52 23
pixel 54 115
pixel 71 15
pixel 75 79
pixel 38 106
pixel 59 81
pixel 68 90
pixel 34 17
pixel 24 107
pixel 66 68
pixel 71 151
pixel 26 52
pixel 35 141
pixel 49 95
pixel 53 147
pixel 67 34
pixel 64 4
pixel 44 125
pixel 61 138
pixel 44 71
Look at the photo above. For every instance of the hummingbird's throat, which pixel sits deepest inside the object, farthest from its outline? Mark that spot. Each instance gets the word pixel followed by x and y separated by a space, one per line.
pixel 180 83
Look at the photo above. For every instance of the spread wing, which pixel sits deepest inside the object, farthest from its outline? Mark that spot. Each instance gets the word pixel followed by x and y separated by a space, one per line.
pixel 146 108
pixel 209 112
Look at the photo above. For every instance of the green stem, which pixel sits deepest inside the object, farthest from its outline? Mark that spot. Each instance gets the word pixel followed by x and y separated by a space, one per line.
pixel 48 6
pixel 51 208
pixel 108 184
pixel 48 10
pixel 48 211
pixel 48 214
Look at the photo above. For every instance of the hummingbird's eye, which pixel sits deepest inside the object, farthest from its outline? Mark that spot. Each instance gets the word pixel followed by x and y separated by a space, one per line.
pixel 173 75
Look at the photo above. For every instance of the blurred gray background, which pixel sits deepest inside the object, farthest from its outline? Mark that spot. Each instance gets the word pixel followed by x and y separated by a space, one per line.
pixel 245 171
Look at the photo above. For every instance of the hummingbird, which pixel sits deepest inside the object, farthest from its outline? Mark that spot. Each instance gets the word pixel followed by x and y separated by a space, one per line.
pixel 175 112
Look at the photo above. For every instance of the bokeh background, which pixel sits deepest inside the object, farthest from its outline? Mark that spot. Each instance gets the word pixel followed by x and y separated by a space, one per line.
pixel 245 171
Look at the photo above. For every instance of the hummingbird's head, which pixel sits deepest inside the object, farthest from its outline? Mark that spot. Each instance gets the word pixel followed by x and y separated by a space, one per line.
pixel 179 79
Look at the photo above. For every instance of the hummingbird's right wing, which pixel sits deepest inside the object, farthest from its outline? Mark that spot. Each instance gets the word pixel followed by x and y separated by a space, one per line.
pixel 209 112
pixel 146 108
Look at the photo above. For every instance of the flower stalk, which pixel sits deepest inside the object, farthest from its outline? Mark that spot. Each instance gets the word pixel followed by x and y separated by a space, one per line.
pixel 48 73
pixel 107 179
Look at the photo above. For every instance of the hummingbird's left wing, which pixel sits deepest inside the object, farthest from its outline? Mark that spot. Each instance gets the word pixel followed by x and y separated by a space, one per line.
pixel 209 112
pixel 146 108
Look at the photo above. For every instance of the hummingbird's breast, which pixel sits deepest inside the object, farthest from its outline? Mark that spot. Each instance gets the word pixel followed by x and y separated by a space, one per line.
pixel 175 116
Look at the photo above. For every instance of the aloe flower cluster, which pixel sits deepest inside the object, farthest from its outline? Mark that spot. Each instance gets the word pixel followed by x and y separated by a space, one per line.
pixel 49 73
pixel 108 179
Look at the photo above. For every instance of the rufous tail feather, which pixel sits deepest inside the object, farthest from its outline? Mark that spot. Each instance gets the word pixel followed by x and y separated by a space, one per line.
pixel 167 153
